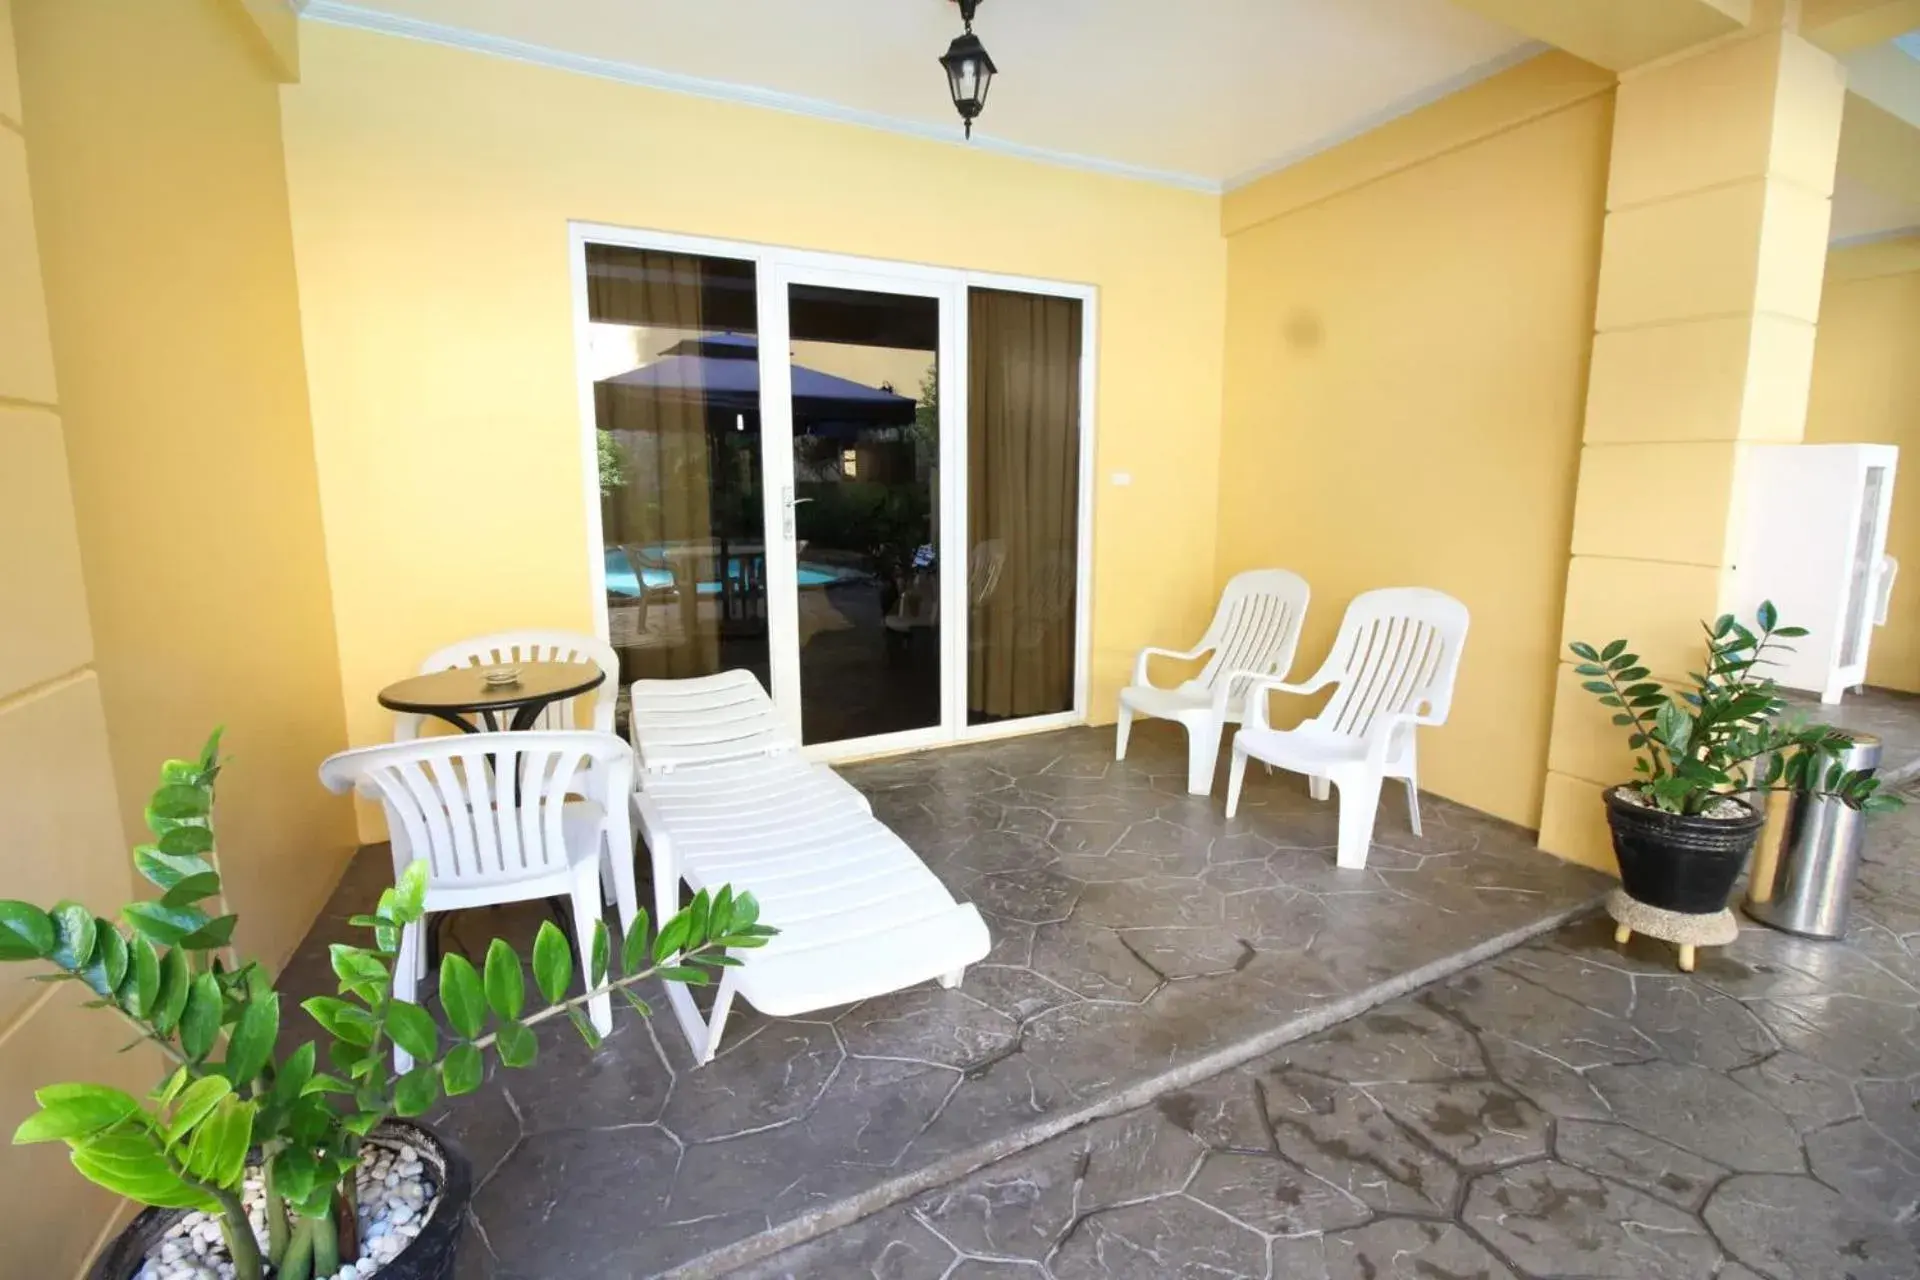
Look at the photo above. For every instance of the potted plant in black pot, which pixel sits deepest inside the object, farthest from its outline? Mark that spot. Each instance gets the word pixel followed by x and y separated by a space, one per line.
pixel 1704 754
pixel 303 1165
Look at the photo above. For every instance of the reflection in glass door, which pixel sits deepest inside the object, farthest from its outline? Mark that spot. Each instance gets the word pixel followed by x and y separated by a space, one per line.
pixel 863 507
pixel 672 350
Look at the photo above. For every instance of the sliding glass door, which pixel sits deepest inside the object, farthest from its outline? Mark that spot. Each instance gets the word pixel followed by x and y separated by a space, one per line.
pixel 865 483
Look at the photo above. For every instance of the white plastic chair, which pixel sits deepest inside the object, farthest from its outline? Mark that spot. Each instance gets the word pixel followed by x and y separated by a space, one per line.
pixel 1394 660
pixel 1254 633
pixel 507 647
pixel 490 812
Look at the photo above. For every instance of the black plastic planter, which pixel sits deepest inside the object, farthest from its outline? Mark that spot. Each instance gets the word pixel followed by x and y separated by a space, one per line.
pixel 430 1256
pixel 1679 863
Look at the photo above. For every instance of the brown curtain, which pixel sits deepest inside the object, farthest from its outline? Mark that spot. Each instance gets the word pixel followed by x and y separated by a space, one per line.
pixel 1023 486
pixel 666 500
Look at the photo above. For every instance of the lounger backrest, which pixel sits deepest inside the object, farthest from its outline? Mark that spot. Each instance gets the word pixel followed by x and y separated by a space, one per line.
pixel 1255 630
pixel 508 647
pixel 704 721
pixel 1398 651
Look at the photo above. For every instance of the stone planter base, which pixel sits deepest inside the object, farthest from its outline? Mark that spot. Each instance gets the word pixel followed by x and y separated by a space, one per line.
pixel 1685 930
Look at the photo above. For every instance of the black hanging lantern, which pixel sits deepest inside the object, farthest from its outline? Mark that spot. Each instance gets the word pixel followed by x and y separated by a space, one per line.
pixel 969 69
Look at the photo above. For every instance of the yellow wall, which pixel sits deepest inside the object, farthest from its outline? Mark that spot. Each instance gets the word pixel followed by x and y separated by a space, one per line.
pixel 1407 350
pixel 62 838
pixel 160 192
pixel 1866 387
pixel 431 193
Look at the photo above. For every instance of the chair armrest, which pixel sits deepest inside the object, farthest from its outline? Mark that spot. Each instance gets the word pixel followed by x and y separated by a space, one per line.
pixel 1140 663
pixel 1385 727
pixel 1258 687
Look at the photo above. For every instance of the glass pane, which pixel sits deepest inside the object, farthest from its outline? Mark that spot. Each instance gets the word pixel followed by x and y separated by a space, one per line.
pixel 676 393
pixel 866 453
pixel 1023 503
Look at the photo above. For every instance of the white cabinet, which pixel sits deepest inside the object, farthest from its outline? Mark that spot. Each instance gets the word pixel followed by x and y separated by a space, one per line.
pixel 1813 541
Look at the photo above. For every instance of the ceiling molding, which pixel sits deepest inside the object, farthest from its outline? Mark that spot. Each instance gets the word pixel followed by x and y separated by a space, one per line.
pixel 1873 237
pixel 1391 112
pixel 338 14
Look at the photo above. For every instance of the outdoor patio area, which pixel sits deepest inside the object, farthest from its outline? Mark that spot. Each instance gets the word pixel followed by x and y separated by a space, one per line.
pixel 1568 1109
pixel 1142 942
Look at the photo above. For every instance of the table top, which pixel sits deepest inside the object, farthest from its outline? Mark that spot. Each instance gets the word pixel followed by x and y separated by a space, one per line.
pixel 465 688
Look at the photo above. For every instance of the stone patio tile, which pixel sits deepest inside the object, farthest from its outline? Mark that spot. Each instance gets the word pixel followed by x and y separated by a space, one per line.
pixel 581 1201
pixel 1223 1112
pixel 1626 1155
pixel 1791 1226
pixel 1476 1124
pixel 1553 1220
pixel 928 1024
pixel 1020 1208
pixel 1867 1167
pixel 1390 1249
pixel 1340 1134
pixel 1274 1196
pixel 1192 952
pixel 890 1245
pixel 770 1078
pixel 1092 962
pixel 1809 1095
pixel 1402 1043
pixel 1172 1238
pixel 1704 1112
pixel 1852 1036
pixel 574 1087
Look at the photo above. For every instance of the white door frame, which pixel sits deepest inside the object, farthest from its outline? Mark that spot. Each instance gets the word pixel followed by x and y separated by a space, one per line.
pixel 774 268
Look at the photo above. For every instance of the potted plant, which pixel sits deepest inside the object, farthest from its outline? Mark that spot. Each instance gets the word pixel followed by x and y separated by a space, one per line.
pixel 255 1162
pixel 1683 828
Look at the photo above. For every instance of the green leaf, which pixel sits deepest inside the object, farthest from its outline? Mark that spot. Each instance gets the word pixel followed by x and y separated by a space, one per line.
pixel 75 1111
pixel 200 1021
pixel 195 1105
pixel 176 983
pixel 1600 687
pixel 640 1006
pixel 552 962
pixel 410 894
pixel 107 968
pixel 73 931
pixel 251 1043
pixel 1584 650
pixel 170 1088
pixel 698 912
pixel 295 1171
pixel 324 1083
pixel 461 1071
pixel 1672 727
pixel 1789 633
pixel 293 1075
pixel 186 840
pixel 1722 625
pixel 673 936
pixel 129 1164
pixel 633 948
pixel 343 1021
pixel 588 1032
pixel 1768 617
pixel 26 932
pixel 411 1027
pixel 597 953
pixel 142 983
pixel 164 870
pixel 416 1092
pixel 217 1154
pixel 165 925
pixel 214 935
pixel 506 981
pixel 516 1045
pixel 462 996
pixel 179 801
pixel 364 1122
pixel 746 912
pixel 1613 650
pixel 191 890
pixel 684 974
pixel 360 971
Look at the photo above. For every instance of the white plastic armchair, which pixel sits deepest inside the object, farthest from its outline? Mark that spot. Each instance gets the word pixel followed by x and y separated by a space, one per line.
pixel 508 647
pixel 492 816
pixel 1254 633
pixel 1394 661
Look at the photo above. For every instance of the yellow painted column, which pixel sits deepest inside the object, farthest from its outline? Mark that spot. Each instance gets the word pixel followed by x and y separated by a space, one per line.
pixel 1718 206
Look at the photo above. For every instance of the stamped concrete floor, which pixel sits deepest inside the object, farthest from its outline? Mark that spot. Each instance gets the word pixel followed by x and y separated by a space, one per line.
pixel 1570 1108
pixel 1142 942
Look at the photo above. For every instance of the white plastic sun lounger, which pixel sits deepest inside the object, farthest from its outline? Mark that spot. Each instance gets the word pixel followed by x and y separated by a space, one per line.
pixel 725 797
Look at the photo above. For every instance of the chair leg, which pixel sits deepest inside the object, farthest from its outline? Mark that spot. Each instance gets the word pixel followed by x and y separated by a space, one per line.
pixel 1236 775
pixel 586 914
pixel 952 980
pixel 1319 788
pixel 1413 804
pixel 406 980
pixel 1122 730
pixel 1203 755
pixel 1359 801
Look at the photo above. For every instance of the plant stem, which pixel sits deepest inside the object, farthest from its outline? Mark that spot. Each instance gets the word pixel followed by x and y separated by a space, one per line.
pixel 241 1246
pixel 555 1010
pixel 346 1220
pixel 276 1216
pixel 326 1244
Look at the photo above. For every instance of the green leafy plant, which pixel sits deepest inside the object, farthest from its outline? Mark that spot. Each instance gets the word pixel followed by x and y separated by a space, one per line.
pixel 1724 732
pixel 163 969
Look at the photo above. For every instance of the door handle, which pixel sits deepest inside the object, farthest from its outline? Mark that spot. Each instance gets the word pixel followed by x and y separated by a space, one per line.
pixel 788 503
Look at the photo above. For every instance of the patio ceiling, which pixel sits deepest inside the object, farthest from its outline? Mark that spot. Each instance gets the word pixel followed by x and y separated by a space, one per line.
pixel 1201 94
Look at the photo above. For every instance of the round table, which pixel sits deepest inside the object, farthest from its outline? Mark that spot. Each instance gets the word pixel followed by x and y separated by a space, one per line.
pixel 454 695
